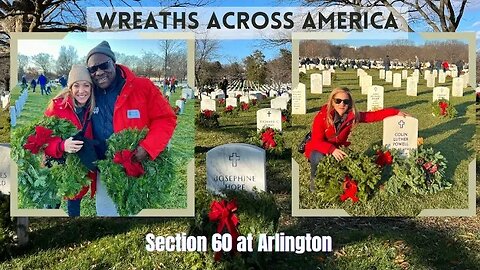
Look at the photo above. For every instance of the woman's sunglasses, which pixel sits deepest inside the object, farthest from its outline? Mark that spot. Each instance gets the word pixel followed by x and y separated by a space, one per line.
pixel 339 100
pixel 102 66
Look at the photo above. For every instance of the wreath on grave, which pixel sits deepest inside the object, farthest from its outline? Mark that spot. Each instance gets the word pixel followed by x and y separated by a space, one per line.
pixel 271 140
pixel 134 186
pixel 286 118
pixel 422 172
pixel 239 213
pixel 43 180
pixel 207 119
pixel 244 106
pixel 443 108
pixel 230 111
pixel 221 102
pixel 355 177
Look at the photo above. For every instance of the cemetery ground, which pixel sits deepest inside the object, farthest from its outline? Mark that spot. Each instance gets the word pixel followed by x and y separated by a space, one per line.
pixel 359 243
pixel 182 141
pixel 454 138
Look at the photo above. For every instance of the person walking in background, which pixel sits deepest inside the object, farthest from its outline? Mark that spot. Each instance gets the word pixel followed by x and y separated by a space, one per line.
pixel 42 81
pixel 445 66
pixel 172 84
pixel 33 85
pixel 418 65
pixel 332 126
pixel 386 63
pixel 24 82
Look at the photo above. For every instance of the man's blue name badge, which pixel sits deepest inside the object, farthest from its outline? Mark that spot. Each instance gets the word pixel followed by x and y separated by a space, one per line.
pixel 132 114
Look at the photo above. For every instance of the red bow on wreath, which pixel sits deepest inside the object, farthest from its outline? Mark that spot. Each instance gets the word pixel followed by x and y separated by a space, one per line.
pixel 36 141
pixel 268 139
pixel 443 106
pixel 349 190
pixel 384 158
pixel 207 113
pixel 284 118
pixel 124 158
pixel 223 213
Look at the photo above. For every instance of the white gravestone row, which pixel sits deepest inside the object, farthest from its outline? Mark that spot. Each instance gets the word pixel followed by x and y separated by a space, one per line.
pixel 5 177
pixel 382 74
pixel 404 74
pixel 441 77
pixel 375 98
pixel 236 166
pixel 208 104
pixel 400 133
pixel 430 81
pixel 327 77
pixel 441 93
pixel 316 83
pixel 411 86
pixel 269 118
pixel 299 100
pixel 244 99
pixel 367 81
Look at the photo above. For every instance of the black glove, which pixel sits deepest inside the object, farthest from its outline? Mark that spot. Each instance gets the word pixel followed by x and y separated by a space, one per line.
pixel 87 153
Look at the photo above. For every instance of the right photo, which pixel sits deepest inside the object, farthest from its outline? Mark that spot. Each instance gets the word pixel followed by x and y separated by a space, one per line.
pixel 388 126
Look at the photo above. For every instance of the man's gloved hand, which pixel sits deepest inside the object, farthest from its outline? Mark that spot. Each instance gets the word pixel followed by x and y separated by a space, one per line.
pixel 139 155
pixel 87 153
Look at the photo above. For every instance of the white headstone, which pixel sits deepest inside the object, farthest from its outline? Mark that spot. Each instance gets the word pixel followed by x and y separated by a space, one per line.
pixel 411 86
pixel 441 77
pixel 400 133
pixel 375 98
pixel 181 105
pixel 188 92
pixel 465 79
pixel 244 99
pixel 457 87
pixel 208 104
pixel 269 118
pixel 431 81
pixel 441 92
pixel 366 83
pixel 404 74
pixel 302 70
pixel 299 100
pixel 382 74
pixel 231 102
pixel 397 80
pixel 455 73
pixel 5 177
pixel 327 77
pixel 388 76
pixel 236 166
pixel 279 103
pixel 316 82
pixel 426 74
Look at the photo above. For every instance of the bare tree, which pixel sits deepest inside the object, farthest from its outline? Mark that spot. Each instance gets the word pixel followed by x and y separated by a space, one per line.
pixel 22 63
pixel 149 63
pixel 205 50
pixel 168 48
pixel 43 61
pixel 66 58
pixel 436 15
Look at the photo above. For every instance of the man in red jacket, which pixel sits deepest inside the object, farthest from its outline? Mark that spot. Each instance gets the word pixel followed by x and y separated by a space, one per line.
pixel 123 100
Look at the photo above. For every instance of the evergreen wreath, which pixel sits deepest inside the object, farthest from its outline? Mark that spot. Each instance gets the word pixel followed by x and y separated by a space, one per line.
pixel 443 108
pixel 207 119
pixel 41 179
pixel 271 140
pixel 147 191
pixel 230 111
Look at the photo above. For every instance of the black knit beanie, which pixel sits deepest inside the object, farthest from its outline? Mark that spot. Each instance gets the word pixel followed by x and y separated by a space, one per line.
pixel 103 48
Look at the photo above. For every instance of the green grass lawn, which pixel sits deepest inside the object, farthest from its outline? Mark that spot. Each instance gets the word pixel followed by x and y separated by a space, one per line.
pixel 452 137
pixel 182 144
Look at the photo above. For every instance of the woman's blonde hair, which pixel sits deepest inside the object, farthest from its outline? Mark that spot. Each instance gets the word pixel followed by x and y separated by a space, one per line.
pixel 68 92
pixel 330 105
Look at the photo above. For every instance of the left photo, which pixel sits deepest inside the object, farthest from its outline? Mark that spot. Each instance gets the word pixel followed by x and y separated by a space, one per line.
pixel 100 127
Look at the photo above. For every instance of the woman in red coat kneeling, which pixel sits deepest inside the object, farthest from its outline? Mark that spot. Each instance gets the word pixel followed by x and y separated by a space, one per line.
pixel 75 104
pixel 333 124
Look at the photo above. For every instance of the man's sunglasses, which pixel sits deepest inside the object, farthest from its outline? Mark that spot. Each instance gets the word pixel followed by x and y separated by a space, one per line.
pixel 102 66
pixel 339 100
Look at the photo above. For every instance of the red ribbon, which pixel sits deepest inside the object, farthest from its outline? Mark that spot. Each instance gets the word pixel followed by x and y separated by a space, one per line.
pixel 430 167
pixel 384 158
pixel 284 118
pixel 443 106
pixel 52 148
pixel 124 158
pixel 223 213
pixel 268 140
pixel 36 141
pixel 229 108
pixel 349 190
